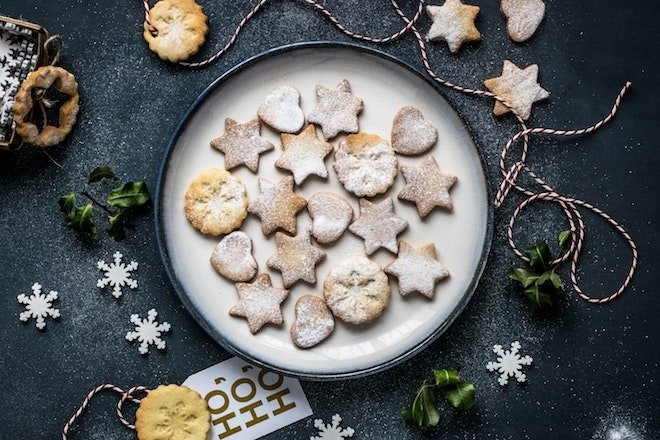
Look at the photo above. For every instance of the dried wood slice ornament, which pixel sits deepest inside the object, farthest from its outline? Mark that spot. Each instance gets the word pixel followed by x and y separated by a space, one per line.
pixel 32 93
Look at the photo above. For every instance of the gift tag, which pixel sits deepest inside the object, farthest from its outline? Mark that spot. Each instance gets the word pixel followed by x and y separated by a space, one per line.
pixel 248 402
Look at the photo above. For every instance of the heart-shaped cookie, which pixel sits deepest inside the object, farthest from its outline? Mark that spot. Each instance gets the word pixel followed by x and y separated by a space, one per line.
pixel 522 17
pixel 314 322
pixel 281 110
pixel 232 257
pixel 411 133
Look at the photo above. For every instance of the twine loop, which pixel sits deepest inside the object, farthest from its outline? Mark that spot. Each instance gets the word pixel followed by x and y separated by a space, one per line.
pixel 126 395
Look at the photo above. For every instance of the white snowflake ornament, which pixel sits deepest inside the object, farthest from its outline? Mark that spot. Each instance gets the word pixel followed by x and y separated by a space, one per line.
pixel 509 363
pixel 148 331
pixel 38 306
pixel 331 431
pixel 117 274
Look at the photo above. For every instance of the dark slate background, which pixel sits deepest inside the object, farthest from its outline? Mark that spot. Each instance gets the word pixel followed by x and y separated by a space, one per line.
pixel 595 367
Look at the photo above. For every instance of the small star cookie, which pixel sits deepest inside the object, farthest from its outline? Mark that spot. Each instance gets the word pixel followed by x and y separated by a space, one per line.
pixel 277 205
pixel 427 186
pixel 296 258
pixel 259 303
pixel 378 225
pixel 242 144
pixel 336 110
pixel 518 87
pixel 303 154
pixel 453 22
pixel 417 269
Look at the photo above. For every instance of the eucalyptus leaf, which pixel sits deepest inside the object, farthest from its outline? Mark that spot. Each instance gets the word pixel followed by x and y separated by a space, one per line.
pixel 461 395
pixel 100 173
pixel 67 204
pixel 539 256
pixel 82 219
pixel 445 378
pixel 129 195
pixel 564 236
pixel 523 276
pixel 116 230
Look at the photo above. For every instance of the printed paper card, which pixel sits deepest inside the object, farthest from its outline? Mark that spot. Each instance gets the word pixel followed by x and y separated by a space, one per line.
pixel 248 402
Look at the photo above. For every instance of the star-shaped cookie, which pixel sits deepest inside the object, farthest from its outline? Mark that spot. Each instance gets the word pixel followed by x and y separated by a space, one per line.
pixel 336 110
pixel 296 258
pixel 277 205
pixel 427 186
pixel 453 22
pixel 259 302
pixel 378 225
pixel 303 154
pixel 417 269
pixel 242 144
pixel 518 87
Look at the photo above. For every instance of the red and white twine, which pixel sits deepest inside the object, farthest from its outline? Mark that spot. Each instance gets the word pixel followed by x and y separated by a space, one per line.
pixel 570 206
pixel 125 395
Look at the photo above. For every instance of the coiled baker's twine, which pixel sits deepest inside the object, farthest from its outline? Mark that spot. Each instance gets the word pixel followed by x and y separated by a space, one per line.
pixel 570 206
pixel 125 395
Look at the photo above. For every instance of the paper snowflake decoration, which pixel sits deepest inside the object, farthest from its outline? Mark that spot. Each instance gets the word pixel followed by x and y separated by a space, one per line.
pixel 331 431
pixel 117 274
pixel 7 46
pixel 509 363
pixel 38 306
pixel 148 331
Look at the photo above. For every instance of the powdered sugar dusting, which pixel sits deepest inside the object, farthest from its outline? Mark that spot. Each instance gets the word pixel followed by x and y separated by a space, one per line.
pixel 314 321
pixel 620 423
pixel 281 109
pixel 330 214
pixel 232 257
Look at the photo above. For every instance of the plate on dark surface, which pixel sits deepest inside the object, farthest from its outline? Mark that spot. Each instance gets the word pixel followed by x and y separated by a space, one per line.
pixel 462 237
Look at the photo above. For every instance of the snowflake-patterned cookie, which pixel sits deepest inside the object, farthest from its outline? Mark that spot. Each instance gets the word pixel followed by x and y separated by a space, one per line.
pixel 332 431
pixel 509 363
pixel 117 274
pixel 38 306
pixel 148 331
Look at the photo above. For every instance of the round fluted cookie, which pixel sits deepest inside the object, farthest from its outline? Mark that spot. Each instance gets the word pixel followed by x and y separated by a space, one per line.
pixel 356 290
pixel 216 202
pixel 172 412
pixel 365 164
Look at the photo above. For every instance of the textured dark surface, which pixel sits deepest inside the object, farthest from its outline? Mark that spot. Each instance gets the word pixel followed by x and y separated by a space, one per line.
pixel 595 367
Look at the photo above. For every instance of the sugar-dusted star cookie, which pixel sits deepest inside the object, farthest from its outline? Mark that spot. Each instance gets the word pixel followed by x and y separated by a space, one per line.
pixel 303 154
pixel 336 110
pixel 453 22
pixel 259 302
pixel 427 186
pixel 518 87
pixel 378 225
pixel 522 17
pixel 242 144
pixel 277 205
pixel 295 257
pixel 417 269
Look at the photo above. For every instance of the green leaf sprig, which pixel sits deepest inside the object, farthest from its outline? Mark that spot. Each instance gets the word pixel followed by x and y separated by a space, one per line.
pixel 540 280
pixel 120 201
pixel 459 393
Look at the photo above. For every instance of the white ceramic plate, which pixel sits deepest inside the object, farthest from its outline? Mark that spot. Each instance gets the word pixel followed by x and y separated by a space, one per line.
pixel 462 237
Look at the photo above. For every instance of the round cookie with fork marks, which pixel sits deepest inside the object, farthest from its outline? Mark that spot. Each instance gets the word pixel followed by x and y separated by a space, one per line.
pixel 356 290
pixel 216 202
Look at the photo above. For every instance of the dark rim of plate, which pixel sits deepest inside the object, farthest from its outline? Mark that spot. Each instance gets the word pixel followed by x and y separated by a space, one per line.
pixel 178 288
